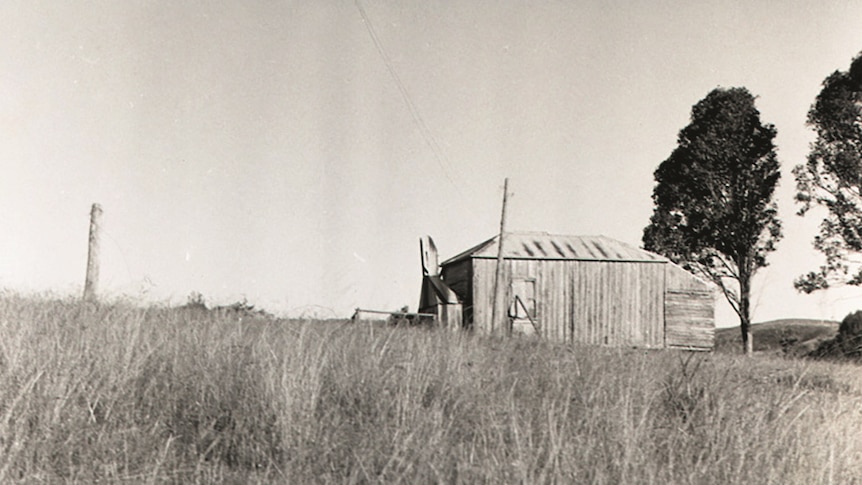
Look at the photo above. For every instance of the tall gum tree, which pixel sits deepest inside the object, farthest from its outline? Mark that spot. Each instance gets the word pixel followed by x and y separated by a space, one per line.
pixel 715 213
pixel 832 178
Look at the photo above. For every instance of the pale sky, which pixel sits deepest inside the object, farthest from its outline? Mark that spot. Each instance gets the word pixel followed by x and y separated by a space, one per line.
pixel 263 150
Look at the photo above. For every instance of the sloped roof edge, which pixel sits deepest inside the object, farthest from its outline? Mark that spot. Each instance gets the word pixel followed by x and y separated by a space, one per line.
pixel 542 245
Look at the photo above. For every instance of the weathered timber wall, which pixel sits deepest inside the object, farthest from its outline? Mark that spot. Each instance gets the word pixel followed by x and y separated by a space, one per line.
pixel 690 319
pixel 689 310
pixel 595 302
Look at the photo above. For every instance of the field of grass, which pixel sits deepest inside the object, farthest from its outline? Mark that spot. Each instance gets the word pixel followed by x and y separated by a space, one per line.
pixel 115 393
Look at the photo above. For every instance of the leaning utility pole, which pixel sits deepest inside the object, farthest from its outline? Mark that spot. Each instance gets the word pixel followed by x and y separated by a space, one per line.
pixel 498 324
pixel 91 282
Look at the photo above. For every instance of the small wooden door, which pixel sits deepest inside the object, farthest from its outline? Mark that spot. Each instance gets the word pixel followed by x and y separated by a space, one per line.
pixel 522 306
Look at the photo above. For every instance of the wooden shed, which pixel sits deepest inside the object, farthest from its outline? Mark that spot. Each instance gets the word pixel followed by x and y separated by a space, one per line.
pixel 586 289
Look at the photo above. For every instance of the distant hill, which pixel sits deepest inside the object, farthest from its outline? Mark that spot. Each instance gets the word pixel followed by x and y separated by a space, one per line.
pixel 776 335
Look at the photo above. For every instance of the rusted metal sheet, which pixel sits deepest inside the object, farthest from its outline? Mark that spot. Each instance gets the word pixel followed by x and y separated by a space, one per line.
pixel 541 245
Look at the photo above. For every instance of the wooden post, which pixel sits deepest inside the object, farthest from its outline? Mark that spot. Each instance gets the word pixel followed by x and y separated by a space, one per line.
pixel 498 321
pixel 92 280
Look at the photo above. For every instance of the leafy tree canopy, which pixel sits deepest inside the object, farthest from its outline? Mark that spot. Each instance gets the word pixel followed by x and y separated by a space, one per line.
pixel 832 178
pixel 714 210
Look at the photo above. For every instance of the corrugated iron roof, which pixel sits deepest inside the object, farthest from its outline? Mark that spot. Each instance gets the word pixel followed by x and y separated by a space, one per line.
pixel 541 245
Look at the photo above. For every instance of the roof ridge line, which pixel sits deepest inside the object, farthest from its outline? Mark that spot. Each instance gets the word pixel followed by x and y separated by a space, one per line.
pixel 544 245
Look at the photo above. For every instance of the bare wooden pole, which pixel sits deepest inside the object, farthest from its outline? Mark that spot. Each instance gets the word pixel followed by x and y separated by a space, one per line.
pixel 497 323
pixel 91 282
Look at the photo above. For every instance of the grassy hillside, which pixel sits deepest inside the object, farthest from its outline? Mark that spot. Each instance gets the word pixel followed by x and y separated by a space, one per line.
pixel 115 393
pixel 776 335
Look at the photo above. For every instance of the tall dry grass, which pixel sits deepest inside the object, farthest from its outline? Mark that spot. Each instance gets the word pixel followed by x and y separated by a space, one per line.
pixel 117 393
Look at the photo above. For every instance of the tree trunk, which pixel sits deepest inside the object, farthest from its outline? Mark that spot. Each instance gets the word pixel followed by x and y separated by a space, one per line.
pixel 744 310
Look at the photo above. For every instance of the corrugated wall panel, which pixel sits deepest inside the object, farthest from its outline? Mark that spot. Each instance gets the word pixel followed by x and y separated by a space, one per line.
pixel 563 282
pixel 591 287
pixel 483 284
pixel 554 288
pixel 587 282
pixel 545 308
pixel 634 328
pixel 484 271
pixel 608 300
pixel 617 303
pixel 577 324
pixel 594 302
pixel 529 270
pixel 651 294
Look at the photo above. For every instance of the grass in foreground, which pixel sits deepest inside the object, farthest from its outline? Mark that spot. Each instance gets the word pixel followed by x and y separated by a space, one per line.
pixel 115 393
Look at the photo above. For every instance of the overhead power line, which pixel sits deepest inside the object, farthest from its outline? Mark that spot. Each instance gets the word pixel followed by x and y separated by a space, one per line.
pixel 405 95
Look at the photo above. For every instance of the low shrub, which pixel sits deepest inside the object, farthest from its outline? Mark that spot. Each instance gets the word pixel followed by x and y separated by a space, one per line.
pixel 847 344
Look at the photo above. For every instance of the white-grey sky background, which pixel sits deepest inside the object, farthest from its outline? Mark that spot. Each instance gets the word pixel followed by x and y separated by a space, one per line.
pixel 263 150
